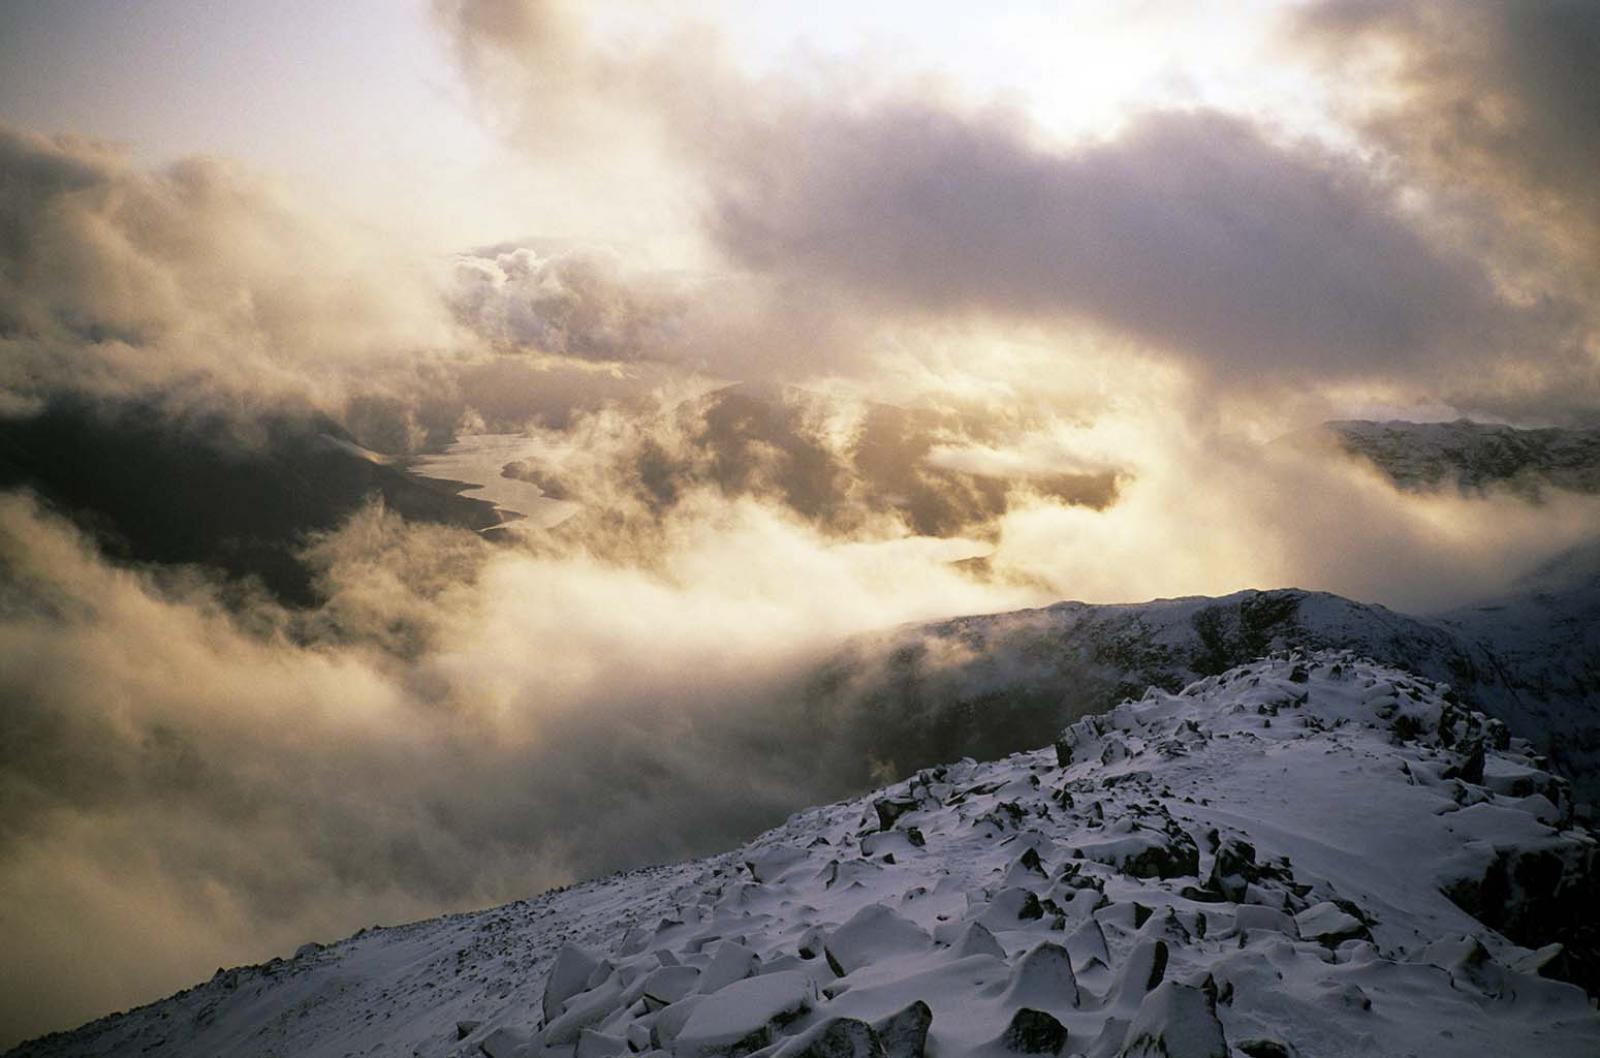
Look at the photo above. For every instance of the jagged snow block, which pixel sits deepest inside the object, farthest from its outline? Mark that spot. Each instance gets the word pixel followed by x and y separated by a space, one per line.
pixel 873 933
pixel 744 1016
pixel 1175 1021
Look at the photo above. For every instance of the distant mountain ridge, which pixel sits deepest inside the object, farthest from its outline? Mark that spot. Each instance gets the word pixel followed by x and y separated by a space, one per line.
pixel 239 495
pixel 988 685
pixel 1475 456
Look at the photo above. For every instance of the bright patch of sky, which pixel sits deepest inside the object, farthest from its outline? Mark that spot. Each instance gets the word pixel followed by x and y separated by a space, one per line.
pixel 360 100
pixel 1080 67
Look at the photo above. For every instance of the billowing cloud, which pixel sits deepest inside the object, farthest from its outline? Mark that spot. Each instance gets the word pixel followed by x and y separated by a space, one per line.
pixel 580 303
pixel 846 466
pixel 1487 112
pixel 1251 256
pixel 459 724
pixel 1193 231
pixel 600 305
pixel 1492 98
pixel 198 282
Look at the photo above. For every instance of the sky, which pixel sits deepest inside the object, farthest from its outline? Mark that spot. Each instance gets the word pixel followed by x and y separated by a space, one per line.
pixel 355 102
pixel 359 102
pixel 1062 288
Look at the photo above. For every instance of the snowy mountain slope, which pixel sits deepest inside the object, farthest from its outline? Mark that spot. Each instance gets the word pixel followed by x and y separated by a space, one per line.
pixel 991 684
pixel 1305 855
pixel 1536 664
pixel 1473 456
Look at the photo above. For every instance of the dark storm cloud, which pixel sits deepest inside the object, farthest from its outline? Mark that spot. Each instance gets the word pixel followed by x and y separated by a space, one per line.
pixel 1500 96
pixel 1493 110
pixel 1192 230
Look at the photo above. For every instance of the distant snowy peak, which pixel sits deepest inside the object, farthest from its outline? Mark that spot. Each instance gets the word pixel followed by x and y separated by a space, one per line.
pixel 1474 456
pixel 1308 855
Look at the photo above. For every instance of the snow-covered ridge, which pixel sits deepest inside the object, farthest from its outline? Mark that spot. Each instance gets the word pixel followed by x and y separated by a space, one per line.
pixel 1309 855
pixel 987 685
pixel 1474 456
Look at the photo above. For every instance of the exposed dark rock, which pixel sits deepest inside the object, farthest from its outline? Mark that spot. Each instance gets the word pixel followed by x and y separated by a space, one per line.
pixel 1034 1032
pixel 1536 896
pixel 1063 752
pixel 891 809
pixel 843 1038
pixel 1177 858
pixel 1030 861
pixel 1232 869
pixel 905 1034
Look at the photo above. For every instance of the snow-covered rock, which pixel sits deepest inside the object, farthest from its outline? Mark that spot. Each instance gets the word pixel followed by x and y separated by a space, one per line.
pixel 1349 864
pixel 1176 1021
pixel 745 1016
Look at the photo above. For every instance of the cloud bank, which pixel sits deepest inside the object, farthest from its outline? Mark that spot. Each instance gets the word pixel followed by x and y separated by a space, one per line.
pixel 1258 257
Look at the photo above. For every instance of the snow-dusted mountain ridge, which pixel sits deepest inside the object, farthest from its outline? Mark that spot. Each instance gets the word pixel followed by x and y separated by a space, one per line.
pixel 1475 456
pixel 1310 854
pixel 987 685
